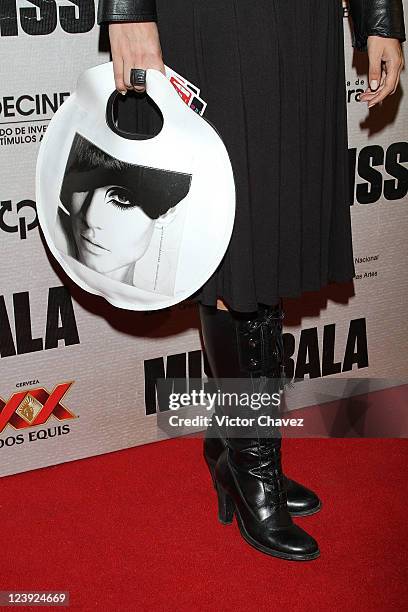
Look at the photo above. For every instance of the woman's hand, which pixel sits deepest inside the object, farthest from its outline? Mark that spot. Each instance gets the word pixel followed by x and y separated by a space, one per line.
pixel 386 61
pixel 134 45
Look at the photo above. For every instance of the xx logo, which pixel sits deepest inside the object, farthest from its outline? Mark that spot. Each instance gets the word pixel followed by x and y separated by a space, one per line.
pixel 34 407
pixel 22 227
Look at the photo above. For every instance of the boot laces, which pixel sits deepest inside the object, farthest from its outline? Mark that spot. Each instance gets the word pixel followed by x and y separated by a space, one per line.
pixel 271 472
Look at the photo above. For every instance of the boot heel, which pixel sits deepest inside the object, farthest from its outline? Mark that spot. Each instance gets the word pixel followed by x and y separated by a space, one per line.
pixel 211 467
pixel 225 506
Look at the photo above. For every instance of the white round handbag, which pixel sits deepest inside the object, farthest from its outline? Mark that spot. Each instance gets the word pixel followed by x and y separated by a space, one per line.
pixel 143 222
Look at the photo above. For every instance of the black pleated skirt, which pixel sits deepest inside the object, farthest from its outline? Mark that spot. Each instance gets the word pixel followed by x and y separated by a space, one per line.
pixel 273 74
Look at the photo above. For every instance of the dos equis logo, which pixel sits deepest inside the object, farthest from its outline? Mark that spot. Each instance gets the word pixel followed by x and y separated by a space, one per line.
pixel 35 407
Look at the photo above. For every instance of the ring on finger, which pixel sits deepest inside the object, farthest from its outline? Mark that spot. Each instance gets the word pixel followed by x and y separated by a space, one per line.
pixel 137 77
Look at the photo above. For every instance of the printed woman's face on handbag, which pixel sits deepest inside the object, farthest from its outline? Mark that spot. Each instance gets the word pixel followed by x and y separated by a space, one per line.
pixel 109 229
pixel 109 210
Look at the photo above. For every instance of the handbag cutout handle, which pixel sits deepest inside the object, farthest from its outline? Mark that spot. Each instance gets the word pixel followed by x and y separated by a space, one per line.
pixel 111 120
pixel 164 97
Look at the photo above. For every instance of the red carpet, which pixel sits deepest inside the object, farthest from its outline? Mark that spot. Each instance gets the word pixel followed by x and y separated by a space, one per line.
pixel 137 529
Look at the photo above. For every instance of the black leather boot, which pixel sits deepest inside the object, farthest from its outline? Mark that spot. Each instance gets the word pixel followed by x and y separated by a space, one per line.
pixel 225 339
pixel 248 473
pixel 250 484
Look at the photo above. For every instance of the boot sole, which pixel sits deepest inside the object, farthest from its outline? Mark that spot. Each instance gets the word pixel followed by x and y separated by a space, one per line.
pixel 307 512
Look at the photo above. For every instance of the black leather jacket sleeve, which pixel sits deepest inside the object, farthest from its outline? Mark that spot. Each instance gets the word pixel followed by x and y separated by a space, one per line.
pixel 376 17
pixel 126 10
pixel 369 17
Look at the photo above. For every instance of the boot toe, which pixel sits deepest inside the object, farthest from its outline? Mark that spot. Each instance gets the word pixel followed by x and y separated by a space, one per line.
pixel 293 543
pixel 301 500
pixel 300 543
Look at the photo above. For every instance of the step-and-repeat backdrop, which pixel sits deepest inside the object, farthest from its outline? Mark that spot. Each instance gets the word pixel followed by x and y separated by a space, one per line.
pixel 77 376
